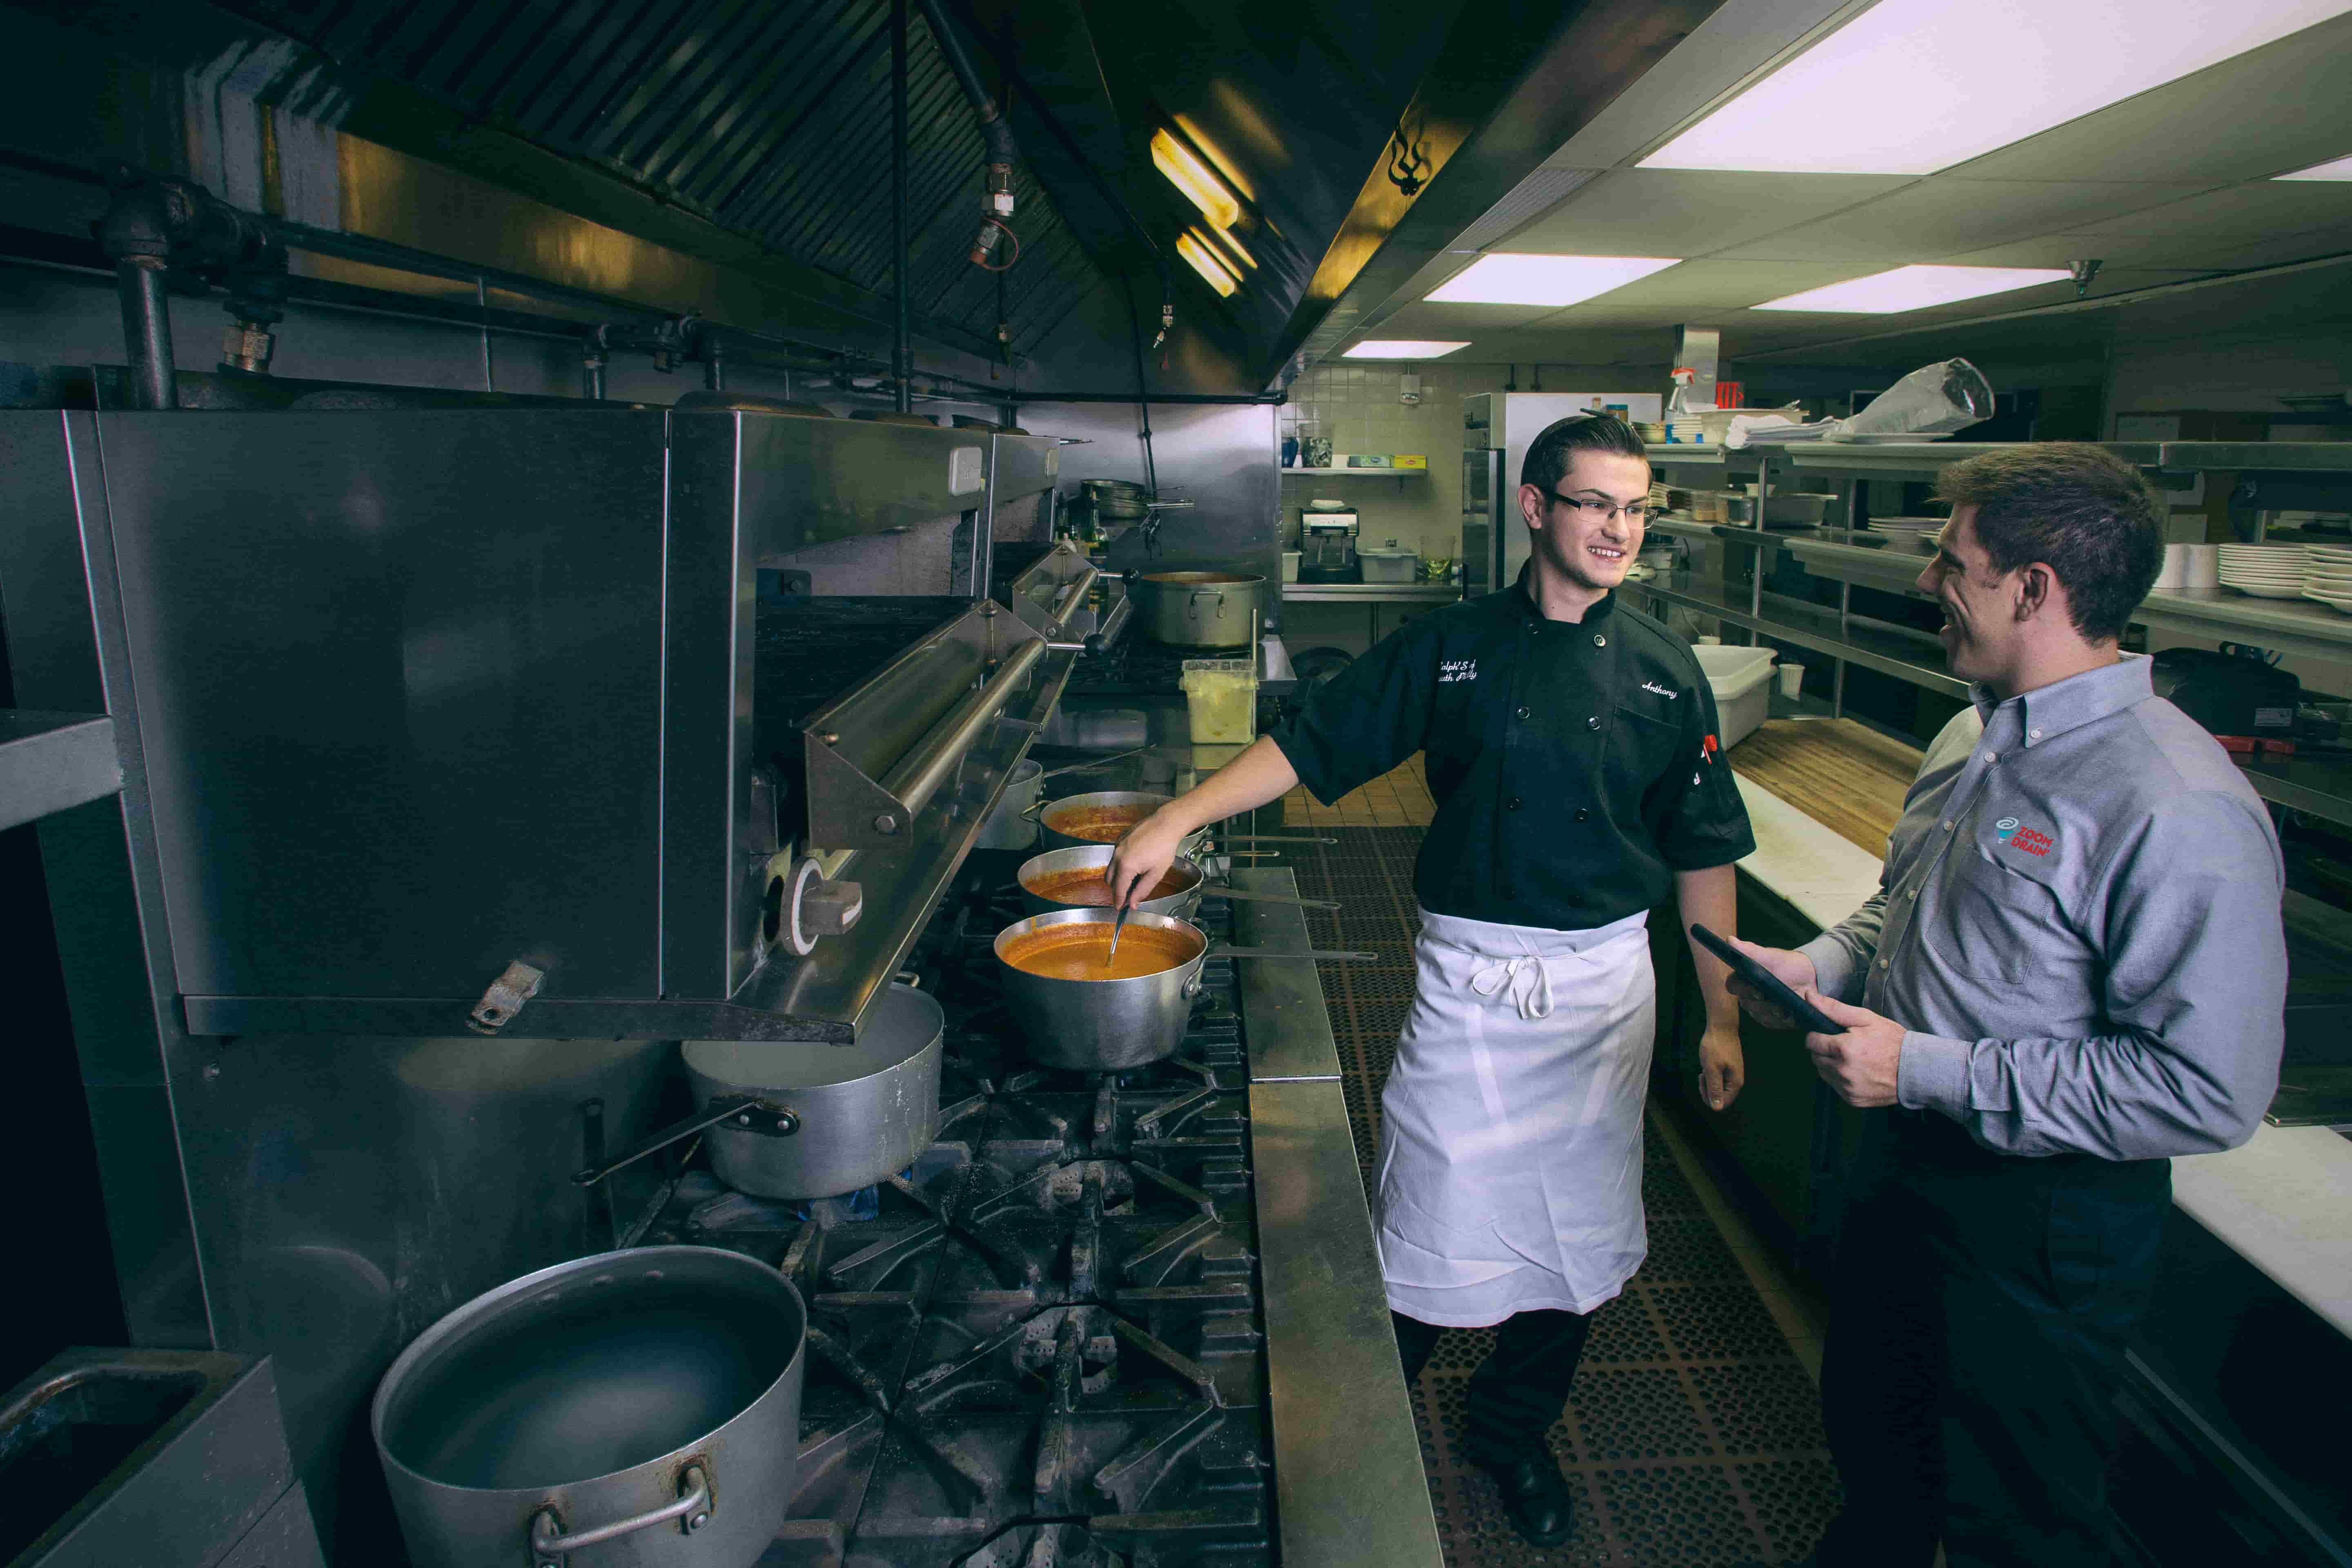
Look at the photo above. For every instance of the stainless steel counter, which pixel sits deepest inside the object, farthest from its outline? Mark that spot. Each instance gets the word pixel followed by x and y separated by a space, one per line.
pixel 1370 592
pixel 1350 1485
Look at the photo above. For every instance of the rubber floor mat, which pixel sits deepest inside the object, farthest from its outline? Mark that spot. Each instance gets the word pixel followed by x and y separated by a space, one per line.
pixel 1693 1435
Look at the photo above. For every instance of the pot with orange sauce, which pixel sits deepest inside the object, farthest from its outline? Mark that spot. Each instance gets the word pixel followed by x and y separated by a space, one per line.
pixel 1103 816
pixel 1072 878
pixel 1078 1011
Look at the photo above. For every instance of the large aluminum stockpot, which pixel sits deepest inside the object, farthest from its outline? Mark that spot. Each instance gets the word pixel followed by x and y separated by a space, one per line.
pixel 1039 872
pixel 1198 609
pixel 635 1409
pixel 1102 1026
pixel 831 1118
pixel 1121 808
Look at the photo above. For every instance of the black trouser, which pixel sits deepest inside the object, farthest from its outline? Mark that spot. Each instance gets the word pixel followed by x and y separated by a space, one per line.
pixel 1975 1343
pixel 1519 1389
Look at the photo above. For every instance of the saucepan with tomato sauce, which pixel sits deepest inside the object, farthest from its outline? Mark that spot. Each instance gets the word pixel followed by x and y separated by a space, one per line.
pixel 1103 816
pixel 1080 1004
pixel 1072 878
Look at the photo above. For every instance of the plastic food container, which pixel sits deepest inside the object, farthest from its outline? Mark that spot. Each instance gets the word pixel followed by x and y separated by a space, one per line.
pixel 1290 565
pixel 1389 565
pixel 1221 696
pixel 1741 679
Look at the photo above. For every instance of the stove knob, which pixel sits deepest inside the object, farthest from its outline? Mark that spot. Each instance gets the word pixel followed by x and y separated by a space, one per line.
pixel 832 908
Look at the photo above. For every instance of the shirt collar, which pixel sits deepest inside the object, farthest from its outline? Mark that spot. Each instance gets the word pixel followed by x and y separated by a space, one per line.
pixel 2048 712
pixel 1523 600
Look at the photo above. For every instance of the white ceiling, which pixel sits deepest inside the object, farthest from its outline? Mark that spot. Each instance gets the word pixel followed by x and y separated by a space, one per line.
pixel 2173 185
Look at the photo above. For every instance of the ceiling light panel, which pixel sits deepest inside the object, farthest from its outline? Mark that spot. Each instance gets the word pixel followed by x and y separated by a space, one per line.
pixel 2341 169
pixel 1401 348
pixel 1916 288
pixel 1551 280
pixel 1921 84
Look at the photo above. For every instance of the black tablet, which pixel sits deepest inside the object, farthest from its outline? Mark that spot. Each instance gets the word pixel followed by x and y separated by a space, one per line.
pixel 1775 989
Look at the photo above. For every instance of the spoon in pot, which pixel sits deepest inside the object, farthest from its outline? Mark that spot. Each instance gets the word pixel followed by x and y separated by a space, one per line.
pixel 1117 924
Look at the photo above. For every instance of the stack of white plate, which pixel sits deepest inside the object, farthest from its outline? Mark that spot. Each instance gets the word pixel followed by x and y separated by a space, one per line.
pixel 1915 534
pixel 2328 576
pixel 2264 570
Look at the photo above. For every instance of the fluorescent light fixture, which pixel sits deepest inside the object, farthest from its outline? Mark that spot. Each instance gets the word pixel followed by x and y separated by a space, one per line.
pixel 1228 249
pixel 1512 280
pixel 1910 86
pixel 1400 348
pixel 1199 183
pixel 1205 262
pixel 2341 169
pixel 1916 288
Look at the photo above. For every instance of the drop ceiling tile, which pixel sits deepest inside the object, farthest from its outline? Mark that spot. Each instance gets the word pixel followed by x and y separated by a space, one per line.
pixel 1710 282
pixel 1685 212
pixel 2261 113
pixel 1940 218
pixel 1424 320
pixel 2276 250
pixel 2256 210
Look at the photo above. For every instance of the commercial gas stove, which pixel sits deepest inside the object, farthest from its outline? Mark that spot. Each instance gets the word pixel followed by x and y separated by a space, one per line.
pixel 1045 1340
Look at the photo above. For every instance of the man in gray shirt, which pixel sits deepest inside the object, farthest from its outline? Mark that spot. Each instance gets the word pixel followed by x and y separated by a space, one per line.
pixel 2073 968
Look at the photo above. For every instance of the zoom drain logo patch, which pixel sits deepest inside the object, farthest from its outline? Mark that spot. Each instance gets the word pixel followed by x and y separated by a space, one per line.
pixel 2017 835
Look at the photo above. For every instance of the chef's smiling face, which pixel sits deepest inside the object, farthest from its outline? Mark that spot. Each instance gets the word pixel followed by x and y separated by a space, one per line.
pixel 1981 628
pixel 1582 528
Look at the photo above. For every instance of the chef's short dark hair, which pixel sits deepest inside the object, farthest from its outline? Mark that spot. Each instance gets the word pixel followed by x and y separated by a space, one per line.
pixel 2086 513
pixel 1551 453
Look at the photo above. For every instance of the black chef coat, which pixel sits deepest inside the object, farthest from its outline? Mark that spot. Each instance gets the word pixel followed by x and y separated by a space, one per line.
pixel 1573 762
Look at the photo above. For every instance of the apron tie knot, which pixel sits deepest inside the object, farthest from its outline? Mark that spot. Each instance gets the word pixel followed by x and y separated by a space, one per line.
pixel 1528 980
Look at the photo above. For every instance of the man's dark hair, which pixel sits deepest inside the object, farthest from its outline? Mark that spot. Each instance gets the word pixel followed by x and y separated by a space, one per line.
pixel 2085 512
pixel 1552 452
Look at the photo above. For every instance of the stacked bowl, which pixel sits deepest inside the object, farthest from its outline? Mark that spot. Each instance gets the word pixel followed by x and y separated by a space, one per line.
pixel 2328 576
pixel 2264 570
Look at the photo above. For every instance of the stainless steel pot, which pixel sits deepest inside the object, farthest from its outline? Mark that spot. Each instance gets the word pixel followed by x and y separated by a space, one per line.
pixel 1070 806
pixel 1012 823
pixel 1101 1025
pixel 635 1409
pixel 1198 609
pixel 829 1119
pixel 1095 857
pixel 1109 1025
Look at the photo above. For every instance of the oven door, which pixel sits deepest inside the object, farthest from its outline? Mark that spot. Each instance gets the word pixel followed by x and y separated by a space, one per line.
pixel 1482 529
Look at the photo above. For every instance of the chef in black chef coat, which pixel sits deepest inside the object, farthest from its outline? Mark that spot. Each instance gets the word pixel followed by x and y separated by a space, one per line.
pixel 1572 751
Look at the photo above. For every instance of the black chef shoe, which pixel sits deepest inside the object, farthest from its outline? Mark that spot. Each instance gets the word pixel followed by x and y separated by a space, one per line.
pixel 1536 1496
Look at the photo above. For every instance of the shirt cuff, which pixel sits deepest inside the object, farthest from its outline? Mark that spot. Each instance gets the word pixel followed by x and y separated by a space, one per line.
pixel 1835 967
pixel 1933 1074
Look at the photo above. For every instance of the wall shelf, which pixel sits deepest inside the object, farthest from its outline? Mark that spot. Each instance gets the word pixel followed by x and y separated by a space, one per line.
pixel 1359 473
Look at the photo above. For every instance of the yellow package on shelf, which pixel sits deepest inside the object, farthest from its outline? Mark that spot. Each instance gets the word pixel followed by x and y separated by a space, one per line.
pixel 1409 460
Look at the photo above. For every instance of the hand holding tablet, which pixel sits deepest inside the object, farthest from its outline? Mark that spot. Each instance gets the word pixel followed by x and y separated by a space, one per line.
pixel 1774 989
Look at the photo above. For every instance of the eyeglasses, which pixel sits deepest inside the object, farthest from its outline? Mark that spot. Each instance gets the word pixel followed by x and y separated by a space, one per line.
pixel 1635 512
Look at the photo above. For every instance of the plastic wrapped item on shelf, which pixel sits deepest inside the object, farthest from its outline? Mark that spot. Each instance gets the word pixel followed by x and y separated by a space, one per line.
pixel 1934 400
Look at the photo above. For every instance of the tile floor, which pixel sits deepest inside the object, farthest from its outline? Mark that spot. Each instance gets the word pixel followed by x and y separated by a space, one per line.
pixel 1398 799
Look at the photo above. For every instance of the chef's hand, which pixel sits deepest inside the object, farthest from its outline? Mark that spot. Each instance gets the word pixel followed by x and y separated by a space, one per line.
pixel 1722 1068
pixel 1864 1064
pixel 1792 968
pixel 1144 855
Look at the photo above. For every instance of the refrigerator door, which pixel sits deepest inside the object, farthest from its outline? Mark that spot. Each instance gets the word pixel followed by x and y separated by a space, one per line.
pixel 1482 520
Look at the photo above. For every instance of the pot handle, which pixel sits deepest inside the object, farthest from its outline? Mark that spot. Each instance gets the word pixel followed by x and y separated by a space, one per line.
pixel 694 1508
pixel 1219 891
pixel 1192 604
pixel 1320 955
pixel 710 1115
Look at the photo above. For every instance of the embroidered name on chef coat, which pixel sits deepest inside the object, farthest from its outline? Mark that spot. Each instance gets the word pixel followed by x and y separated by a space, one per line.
pixel 1654 686
pixel 1453 669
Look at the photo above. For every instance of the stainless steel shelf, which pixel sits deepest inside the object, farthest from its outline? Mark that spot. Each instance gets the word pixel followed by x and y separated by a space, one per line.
pixel 1925 458
pixel 1370 593
pixel 1367 473
pixel 2286 625
pixel 50 761
pixel 1809 626
pixel 2271 457
pixel 2322 786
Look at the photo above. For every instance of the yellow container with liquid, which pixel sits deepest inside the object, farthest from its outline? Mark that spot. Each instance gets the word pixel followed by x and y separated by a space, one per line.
pixel 1220 695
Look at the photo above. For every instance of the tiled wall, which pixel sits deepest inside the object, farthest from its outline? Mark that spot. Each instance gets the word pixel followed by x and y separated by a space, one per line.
pixel 1356 406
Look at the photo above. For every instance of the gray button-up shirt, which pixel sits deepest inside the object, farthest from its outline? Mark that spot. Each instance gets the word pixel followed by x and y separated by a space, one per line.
pixel 2079 926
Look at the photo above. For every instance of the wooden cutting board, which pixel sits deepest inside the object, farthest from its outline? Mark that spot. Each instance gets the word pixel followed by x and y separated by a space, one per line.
pixel 1849 778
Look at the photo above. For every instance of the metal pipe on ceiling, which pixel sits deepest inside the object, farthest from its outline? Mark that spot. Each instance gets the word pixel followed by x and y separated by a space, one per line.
pixel 900 360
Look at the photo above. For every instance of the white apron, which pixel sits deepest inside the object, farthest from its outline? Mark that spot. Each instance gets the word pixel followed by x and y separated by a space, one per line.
pixel 1510 1157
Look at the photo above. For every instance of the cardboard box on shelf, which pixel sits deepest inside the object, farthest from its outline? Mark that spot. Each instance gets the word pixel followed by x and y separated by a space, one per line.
pixel 1409 460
